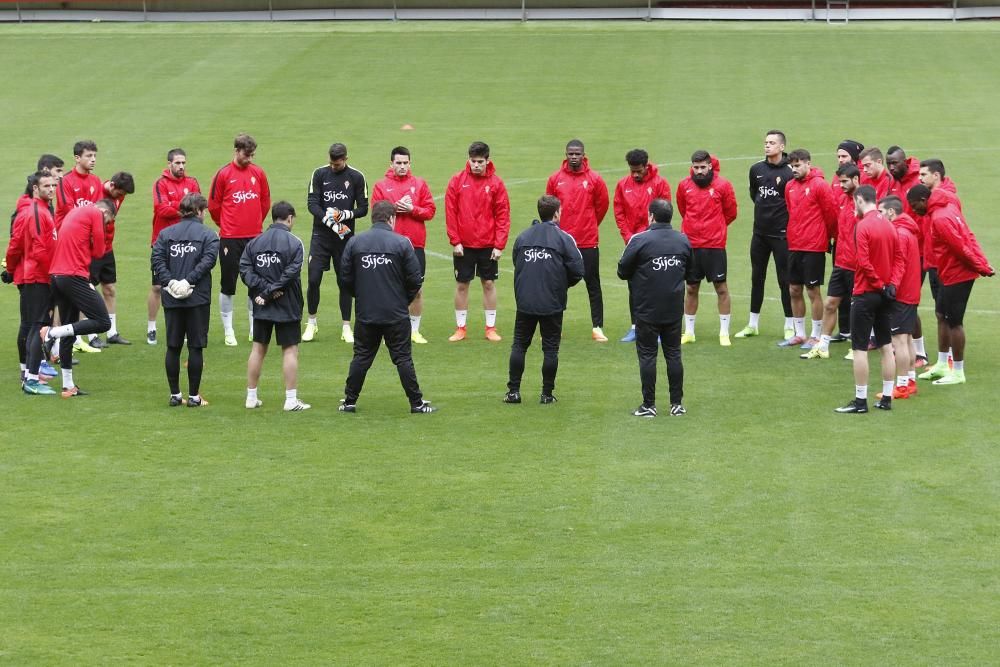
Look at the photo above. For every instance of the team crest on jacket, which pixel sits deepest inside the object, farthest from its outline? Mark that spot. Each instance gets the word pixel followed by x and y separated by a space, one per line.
pixel 186 191
pixel 413 190
pixel 807 192
pixel 347 184
pixel 91 189
pixel 649 190
pixel 584 185
pixel 253 180
pixel 778 181
pixel 487 189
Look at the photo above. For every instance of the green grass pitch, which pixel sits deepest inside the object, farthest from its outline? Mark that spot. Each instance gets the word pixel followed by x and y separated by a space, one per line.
pixel 759 529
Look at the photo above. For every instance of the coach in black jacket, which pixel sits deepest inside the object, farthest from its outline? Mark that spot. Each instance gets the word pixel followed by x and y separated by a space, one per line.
pixel 271 267
pixel 546 264
pixel 656 264
pixel 380 270
pixel 183 256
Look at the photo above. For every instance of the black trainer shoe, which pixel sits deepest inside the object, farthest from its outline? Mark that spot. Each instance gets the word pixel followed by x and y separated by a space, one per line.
pixel 884 403
pixel 545 399
pixel 512 397
pixel 118 340
pixel 841 337
pixel 644 410
pixel 151 337
pixel 97 343
pixel 176 400
pixel 347 407
pixel 857 406
pixel 423 407
pixel 676 410
pixel 197 402
pixel 73 391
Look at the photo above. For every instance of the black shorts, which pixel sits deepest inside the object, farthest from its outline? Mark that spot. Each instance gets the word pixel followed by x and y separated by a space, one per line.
pixel 904 319
pixel 36 303
pixel 952 301
pixel 230 251
pixel 932 278
pixel 103 270
pixel 475 261
pixel 707 264
pixel 191 322
pixel 869 311
pixel 806 268
pixel 286 333
pixel 841 283
pixel 422 260
pixel 325 247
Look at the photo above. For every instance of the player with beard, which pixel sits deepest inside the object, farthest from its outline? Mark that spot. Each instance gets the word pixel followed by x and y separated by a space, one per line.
pixel 338 195
pixel 707 203
pixel 848 152
pixel 906 277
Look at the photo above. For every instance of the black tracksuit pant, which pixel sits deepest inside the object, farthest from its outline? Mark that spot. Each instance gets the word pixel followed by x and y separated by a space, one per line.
pixel 524 331
pixel 761 249
pixel 646 348
pixel 592 278
pixel 74 295
pixel 367 339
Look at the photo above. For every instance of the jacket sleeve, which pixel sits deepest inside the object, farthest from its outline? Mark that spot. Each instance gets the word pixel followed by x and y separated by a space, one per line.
pixel 550 185
pixel 663 189
pixel 293 269
pixel 627 263
pixel 424 207
pixel 451 211
pixel 412 280
pixel 345 276
pixel 97 245
pixel 903 240
pixel 209 255
pixel 621 214
pixel 313 202
pixel 864 264
pixel 377 194
pixel 681 199
pixel 730 208
pixel 215 199
pixel 360 209
pixel 963 244
pixel 254 282
pixel 265 197
pixel 752 185
pixel 600 195
pixel 15 249
pixel 574 260
pixel 163 208
pixel 501 216
pixel 161 269
pixel 829 209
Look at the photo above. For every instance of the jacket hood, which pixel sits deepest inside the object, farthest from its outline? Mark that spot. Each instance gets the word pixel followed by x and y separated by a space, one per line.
pixel 23 202
pixel 906 222
pixel 389 173
pixel 490 170
pixel 939 199
pixel 585 167
pixel 814 172
pixel 716 167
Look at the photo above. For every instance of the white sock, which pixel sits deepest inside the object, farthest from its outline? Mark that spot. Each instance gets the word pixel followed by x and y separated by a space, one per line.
pixel 861 391
pixel 723 325
pixel 415 323
pixel 943 358
pixel 55 345
pixel 312 320
pixel 150 325
pixel 824 342
pixel 24 367
pixel 789 323
pixel 61 332
pixel 91 337
pixel 901 380
pixel 68 378
pixel 31 377
pixel 911 376
pixel 461 317
pixel 250 311
pixel 689 324
pixel 347 326
pixel 918 345
pixel 817 329
pixel 755 320
pixel 958 366
pixel 887 388
pixel 291 395
pixel 491 318
pixel 251 393
pixel 226 310
pixel 113 331
pixel 799 325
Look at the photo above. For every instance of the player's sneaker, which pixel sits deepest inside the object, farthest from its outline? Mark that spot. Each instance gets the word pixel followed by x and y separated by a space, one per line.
pixel 920 361
pixel 789 333
pixel 73 391
pixel 597 335
pixel 346 334
pixel 794 341
pixel 512 397
pixel 816 352
pixel 546 399
pixel 423 407
pixel 953 377
pixel 850 355
pixel 231 339
pixel 347 407
pixel 629 336
pixel 310 332
pixel 809 344
pixel 841 337
pixel 457 336
pixel 118 340
pixel 415 337
pixel 747 332
pixel 901 392
pixel 935 372
pixel 295 405
pixel 687 338
pixel 253 403
pixel 884 403
pixel 97 343
pixel 197 402
pixel 724 340
pixel 911 386
pixel 857 406
pixel 80 345
pixel 37 388
pixel 492 335
pixel 676 410
pixel 45 368
pixel 43 333
pixel 151 337
pixel 175 400
pixel 648 411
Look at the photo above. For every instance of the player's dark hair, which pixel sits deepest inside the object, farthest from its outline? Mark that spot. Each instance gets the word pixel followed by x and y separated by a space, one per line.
pixel 192 204
pixel 123 181
pixel 108 205
pixel 866 193
pixel 574 143
pixel 895 149
pixel 479 149
pixel 918 192
pixel 382 211
pixel 700 156
pixel 548 206
pixel 800 155
pixel 933 165
pixel 282 211
pixel 48 161
pixel 893 202
pixel 661 210
pixel 174 152
pixel 398 150
pixel 81 146
pixel 636 157
pixel 245 143
pixel 338 151
pixel 33 180
pixel 777 133
pixel 849 169
pixel 873 152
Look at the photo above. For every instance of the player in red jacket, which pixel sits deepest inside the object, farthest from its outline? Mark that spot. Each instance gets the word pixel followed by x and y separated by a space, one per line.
pixel 873 171
pixel 29 254
pixel 583 195
pixel 80 240
pixel 960 260
pixel 707 203
pixel 633 195
pixel 477 217
pixel 876 250
pixel 812 222
pixel 79 187
pixel 414 206
pixel 848 152
pixel 906 278
pixel 239 201
pixel 168 191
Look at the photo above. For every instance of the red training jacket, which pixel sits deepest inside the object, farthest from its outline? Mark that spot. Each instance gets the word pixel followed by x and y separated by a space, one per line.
pixel 812 214
pixel 167 195
pixel 958 254
pixel 876 246
pixel 31 242
pixel 947 190
pixel 906 273
pixel 584 198
pixel 477 209
pixel 706 212
pixel 74 191
pixel 411 225
pixel 239 201
pixel 109 227
pixel 845 256
pixel 632 201
pixel 882 184
pixel 900 188
pixel 80 240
